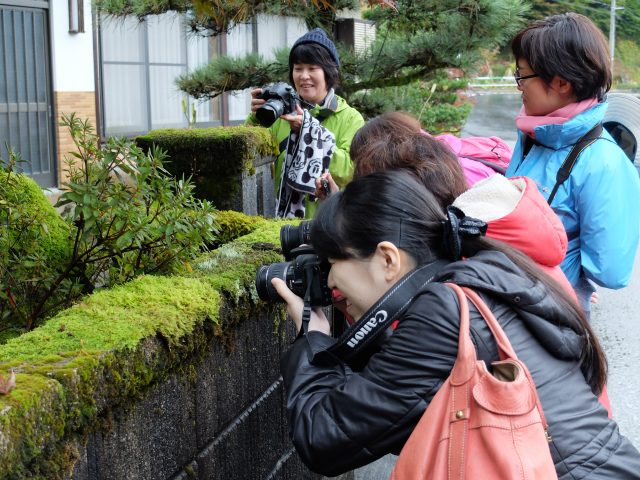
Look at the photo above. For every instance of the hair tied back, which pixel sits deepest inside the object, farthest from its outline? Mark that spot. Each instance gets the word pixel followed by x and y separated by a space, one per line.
pixel 456 226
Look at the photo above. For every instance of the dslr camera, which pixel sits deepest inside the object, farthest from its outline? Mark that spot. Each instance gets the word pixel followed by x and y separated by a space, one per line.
pixel 280 98
pixel 304 272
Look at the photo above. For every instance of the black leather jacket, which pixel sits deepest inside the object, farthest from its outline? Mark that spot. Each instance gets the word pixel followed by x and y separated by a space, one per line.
pixel 341 419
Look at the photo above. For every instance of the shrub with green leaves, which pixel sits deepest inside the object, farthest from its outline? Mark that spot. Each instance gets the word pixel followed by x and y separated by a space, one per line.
pixel 131 216
pixel 125 216
pixel 34 246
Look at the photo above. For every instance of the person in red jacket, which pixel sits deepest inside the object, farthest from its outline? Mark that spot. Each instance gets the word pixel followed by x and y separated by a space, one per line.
pixel 516 213
pixel 512 209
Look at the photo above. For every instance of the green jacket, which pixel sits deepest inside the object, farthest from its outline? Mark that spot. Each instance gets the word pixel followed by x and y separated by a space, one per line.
pixel 344 123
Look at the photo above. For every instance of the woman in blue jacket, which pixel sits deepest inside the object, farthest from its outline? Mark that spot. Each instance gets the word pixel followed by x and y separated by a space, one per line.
pixel 563 71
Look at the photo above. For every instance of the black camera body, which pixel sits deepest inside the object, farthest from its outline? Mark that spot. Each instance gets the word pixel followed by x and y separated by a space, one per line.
pixel 306 274
pixel 280 98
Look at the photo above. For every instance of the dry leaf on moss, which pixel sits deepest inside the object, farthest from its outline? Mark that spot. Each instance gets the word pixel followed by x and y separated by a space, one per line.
pixel 6 385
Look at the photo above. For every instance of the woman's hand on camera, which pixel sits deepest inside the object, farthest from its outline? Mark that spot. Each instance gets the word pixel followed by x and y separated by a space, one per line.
pixel 295 304
pixel 256 102
pixel 325 186
pixel 295 120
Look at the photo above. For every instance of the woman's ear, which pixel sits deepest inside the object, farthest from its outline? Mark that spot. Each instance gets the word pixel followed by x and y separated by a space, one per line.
pixel 562 86
pixel 394 262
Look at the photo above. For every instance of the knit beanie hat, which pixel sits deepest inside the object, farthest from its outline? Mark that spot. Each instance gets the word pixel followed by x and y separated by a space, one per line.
pixel 318 36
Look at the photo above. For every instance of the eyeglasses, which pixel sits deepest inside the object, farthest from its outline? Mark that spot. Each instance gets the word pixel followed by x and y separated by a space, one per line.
pixel 518 78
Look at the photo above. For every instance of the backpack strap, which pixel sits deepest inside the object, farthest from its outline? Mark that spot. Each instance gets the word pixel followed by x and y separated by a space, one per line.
pixel 569 162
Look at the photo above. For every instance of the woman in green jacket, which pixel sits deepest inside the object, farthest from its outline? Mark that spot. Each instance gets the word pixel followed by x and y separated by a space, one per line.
pixel 313 140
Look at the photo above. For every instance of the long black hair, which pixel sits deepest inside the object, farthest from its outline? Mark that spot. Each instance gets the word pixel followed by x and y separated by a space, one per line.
pixel 393 206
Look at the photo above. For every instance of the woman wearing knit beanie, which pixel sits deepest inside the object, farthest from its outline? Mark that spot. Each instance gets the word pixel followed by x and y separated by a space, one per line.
pixel 316 139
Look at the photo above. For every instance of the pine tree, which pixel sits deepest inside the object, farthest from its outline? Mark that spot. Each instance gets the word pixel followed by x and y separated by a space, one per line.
pixel 415 39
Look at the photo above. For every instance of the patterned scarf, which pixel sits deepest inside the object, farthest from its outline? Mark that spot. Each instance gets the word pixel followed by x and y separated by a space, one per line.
pixel 308 157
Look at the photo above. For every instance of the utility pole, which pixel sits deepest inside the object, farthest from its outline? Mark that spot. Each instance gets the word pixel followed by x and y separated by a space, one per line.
pixel 612 31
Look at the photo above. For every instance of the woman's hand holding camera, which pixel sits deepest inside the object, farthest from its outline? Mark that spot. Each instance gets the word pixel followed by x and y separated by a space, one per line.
pixel 295 304
pixel 295 120
pixel 256 102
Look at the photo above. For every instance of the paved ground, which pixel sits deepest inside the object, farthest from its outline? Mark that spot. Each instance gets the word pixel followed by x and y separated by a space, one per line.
pixel 616 318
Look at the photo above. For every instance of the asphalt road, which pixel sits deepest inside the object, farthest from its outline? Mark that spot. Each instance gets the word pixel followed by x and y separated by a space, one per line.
pixel 616 319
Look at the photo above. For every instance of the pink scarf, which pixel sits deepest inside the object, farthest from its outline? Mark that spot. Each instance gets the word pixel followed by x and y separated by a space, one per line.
pixel 528 123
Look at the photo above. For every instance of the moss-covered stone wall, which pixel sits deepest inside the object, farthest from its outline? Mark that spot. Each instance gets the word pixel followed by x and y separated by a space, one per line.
pixel 191 355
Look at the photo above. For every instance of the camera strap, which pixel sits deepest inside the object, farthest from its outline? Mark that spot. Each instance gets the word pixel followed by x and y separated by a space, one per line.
pixel 306 309
pixel 382 314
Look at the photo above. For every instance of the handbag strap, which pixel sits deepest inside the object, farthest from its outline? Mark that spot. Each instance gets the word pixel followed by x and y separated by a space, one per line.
pixel 465 362
pixel 569 162
pixel 505 350
pixel 466 359
pixel 460 372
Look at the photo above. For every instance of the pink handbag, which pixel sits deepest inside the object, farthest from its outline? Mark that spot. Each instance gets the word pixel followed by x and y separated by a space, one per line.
pixel 480 425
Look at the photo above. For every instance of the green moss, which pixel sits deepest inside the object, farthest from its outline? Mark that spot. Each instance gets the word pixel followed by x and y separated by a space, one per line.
pixel 190 471
pixel 234 224
pixel 214 158
pixel 47 227
pixel 119 318
pixel 267 232
pixel 32 417
pixel 109 349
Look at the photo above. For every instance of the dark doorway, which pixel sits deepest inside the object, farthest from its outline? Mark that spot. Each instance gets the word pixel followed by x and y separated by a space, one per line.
pixel 25 89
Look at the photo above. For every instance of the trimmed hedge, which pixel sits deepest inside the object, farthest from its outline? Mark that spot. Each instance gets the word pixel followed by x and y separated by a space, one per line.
pixel 112 347
pixel 215 158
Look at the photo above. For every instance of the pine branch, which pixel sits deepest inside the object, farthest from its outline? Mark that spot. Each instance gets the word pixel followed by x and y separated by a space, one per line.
pixel 225 74
pixel 214 17
pixel 456 33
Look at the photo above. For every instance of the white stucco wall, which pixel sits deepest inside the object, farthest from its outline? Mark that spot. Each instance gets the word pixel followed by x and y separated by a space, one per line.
pixel 71 53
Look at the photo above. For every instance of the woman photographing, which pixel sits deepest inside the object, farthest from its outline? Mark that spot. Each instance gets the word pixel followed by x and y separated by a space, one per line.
pixel 312 140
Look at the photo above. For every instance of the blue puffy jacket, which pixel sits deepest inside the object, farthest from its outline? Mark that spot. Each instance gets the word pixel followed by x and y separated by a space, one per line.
pixel 598 204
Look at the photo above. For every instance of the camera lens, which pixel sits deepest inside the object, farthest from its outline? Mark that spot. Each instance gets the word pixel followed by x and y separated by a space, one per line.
pixel 269 112
pixel 266 291
pixel 292 236
pixel 306 276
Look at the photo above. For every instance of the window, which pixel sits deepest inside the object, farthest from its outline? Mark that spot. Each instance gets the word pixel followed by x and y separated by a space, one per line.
pixel 140 63
pixel 240 43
